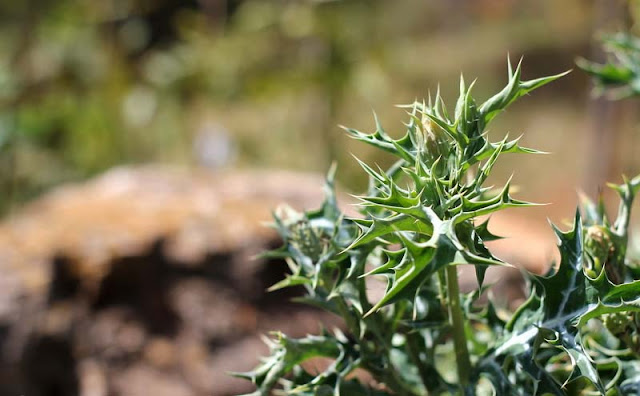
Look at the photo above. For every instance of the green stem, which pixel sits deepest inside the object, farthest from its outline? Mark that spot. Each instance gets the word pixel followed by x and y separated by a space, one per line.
pixel 442 286
pixel 391 380
pixel 456 317
pixel 389 375
pixel 415 346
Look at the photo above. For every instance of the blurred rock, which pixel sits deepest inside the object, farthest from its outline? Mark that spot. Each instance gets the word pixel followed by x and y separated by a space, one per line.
pixel 142 282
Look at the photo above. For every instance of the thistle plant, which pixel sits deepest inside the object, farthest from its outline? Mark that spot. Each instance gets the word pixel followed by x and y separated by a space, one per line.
pixel 576 333
pixel 620 76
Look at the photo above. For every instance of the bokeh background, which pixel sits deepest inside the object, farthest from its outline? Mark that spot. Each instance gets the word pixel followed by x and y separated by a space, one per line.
pixel 175 93
pixel 87 85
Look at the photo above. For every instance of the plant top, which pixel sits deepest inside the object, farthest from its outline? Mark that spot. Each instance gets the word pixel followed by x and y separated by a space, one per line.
pixel 577 332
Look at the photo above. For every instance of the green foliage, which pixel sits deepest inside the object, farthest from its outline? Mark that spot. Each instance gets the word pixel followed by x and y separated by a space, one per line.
pixel 621 75
pixel 577 333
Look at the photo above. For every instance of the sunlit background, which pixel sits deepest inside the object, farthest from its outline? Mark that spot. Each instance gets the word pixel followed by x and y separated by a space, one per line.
pixel 230 85
pixel 89 85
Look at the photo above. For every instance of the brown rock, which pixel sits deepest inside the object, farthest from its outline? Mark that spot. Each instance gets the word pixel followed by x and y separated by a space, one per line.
pixel 140 280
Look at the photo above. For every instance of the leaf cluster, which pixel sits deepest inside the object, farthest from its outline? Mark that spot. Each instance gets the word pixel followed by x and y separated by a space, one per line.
pixel 620 76
pixel 576 333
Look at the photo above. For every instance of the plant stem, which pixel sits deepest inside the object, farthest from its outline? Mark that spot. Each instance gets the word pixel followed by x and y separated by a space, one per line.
pixel 415 345
pixel 391 380
pixel 388 375
pixel 463 363
pixel 442 287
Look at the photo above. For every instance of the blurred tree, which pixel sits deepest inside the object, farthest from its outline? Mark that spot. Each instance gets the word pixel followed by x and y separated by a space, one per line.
pixel 87 85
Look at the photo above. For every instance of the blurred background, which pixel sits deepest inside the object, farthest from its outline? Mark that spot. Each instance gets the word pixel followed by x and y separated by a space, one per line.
pixel 142 142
